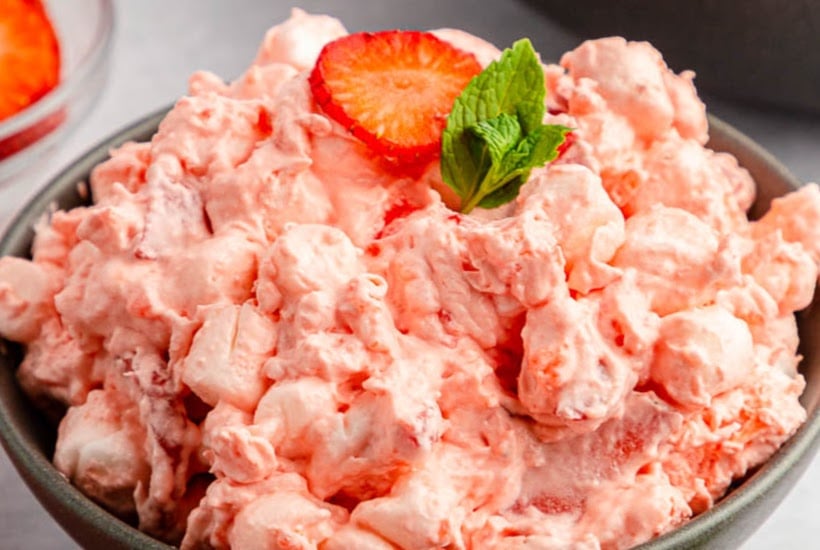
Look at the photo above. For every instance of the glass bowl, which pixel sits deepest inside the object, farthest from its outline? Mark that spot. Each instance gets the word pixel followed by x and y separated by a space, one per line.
pixel 29 438
pixel 84 29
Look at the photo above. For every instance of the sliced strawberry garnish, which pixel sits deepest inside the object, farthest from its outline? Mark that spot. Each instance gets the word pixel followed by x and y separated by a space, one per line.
pixel 29 55
pixel 392 89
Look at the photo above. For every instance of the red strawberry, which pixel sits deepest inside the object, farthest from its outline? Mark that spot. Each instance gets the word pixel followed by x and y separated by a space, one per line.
pixel 392 89
pixel 29 55
pixel 569 139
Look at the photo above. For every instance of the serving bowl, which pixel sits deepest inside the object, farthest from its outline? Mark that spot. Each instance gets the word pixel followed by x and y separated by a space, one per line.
pixel 29 437
pixel 84 29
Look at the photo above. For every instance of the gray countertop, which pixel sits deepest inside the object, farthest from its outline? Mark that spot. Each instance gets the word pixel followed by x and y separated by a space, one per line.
pixel 158 43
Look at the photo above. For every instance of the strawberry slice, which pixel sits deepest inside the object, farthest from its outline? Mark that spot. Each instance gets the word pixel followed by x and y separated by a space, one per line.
pixel 392 89
pixel 29 55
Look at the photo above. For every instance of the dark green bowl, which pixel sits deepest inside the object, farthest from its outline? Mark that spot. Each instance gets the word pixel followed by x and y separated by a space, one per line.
pixel 29 438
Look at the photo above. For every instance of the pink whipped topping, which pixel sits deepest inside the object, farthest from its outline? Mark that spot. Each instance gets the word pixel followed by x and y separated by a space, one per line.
pixel 265 338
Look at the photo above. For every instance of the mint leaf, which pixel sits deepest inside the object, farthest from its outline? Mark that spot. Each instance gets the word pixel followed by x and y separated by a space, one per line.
pixel 495 135
pixel 501 196
pixel 500 134
pixel 538 148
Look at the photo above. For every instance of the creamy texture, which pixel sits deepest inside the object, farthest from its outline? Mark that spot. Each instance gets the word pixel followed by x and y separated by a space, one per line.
pixel 267 337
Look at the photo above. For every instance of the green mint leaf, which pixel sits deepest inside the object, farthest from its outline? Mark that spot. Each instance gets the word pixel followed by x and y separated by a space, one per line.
pixel 531 112
pixel 502 195
pixel 536 149
pixel 496 90
pixel 500 134
pixel 495 135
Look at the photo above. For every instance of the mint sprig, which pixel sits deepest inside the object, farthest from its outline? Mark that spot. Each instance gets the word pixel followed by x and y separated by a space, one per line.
pixel 495 135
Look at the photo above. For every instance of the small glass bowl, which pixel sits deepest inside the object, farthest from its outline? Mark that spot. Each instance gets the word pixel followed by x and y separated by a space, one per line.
pixel 84 29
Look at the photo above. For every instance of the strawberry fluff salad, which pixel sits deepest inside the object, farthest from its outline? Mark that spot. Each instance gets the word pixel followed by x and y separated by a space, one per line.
pixel 264 333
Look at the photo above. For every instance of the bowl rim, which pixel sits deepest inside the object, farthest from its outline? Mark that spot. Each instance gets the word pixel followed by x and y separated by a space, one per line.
pixel 56 97
pixel 789 461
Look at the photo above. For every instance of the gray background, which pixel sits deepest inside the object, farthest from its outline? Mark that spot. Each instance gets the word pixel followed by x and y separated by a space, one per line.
pixel 158 43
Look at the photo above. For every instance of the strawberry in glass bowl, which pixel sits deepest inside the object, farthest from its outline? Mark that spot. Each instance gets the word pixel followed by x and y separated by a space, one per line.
pixel 53 62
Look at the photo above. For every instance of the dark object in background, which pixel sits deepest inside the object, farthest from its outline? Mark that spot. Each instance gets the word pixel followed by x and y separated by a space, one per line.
pixel 764 51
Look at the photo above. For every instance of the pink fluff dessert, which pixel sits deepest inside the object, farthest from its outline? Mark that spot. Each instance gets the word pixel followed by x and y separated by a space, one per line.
pixel 265 335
